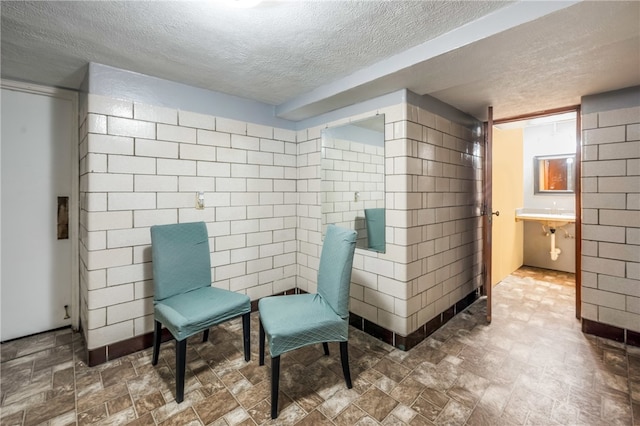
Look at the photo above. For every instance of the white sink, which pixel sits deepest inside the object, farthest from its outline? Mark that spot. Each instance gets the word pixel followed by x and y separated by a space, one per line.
pixel 547 217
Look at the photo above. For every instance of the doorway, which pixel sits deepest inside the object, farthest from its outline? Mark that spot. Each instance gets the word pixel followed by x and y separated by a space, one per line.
pixel 513 186
pixel 39 204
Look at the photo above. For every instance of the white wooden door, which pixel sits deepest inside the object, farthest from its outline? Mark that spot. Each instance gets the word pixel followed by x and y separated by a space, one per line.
pixel 36 285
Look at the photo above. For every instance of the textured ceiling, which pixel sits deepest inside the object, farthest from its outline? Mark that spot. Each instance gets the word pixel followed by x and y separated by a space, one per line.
pixel 309 57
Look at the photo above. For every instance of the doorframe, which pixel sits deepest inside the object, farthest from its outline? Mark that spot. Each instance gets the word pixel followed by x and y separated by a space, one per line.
pixel 577 183
pixel 74 209
pixel 487 211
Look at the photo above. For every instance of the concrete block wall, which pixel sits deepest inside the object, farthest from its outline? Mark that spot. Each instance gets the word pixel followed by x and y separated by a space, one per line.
pixel 611 214
pixel 433 239
pixel 84 276
pixel 436 189
pixel 370 268
pixel 142 165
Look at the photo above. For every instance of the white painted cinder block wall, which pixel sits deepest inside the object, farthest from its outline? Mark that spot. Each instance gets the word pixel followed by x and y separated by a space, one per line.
pixel 611 209
pixel 433 239
pixel 141 165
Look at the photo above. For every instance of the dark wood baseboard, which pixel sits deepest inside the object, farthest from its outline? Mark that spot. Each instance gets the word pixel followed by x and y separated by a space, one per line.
pixel 611 332
pixel 405 343
pixel 125 347
pixel 633 338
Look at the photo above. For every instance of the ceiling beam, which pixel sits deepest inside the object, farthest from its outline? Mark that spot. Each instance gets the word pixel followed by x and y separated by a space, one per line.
pixel 344 91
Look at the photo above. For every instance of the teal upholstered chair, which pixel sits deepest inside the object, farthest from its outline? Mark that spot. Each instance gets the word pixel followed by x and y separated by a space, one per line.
pixel 293 321
pixel 184 300
pixel 374 219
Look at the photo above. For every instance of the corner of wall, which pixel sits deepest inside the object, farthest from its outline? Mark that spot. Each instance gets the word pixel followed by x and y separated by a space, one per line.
pixel 610 220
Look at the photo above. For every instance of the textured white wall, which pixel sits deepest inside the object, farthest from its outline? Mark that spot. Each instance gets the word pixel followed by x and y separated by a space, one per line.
pixel 547 139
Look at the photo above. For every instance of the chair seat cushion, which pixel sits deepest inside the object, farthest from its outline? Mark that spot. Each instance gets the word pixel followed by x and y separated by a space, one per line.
pixel 291 322
pixel 189 313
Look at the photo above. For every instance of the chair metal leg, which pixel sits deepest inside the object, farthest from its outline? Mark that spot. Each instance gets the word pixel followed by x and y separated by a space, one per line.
pixel 181 361
pixel 325 346
pixel 275 384
pixel 246 333
pixel 344 357
pixel 205 335
pixel 261 343
pixel 157 338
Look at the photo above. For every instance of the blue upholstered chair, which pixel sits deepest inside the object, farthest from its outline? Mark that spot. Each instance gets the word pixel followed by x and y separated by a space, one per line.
pixel 294 321
pixel 184 300
pixel 374 218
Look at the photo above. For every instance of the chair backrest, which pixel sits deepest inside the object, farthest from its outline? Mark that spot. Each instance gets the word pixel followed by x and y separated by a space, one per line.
pixel 334 272
pixel 374 218
pixel 181 258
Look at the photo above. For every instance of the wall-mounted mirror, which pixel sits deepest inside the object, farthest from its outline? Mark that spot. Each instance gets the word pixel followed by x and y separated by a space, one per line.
pixel 554 174
pixel 352 175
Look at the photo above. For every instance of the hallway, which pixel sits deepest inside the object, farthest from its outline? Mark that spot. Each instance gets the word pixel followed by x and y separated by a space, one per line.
pixel 532 366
